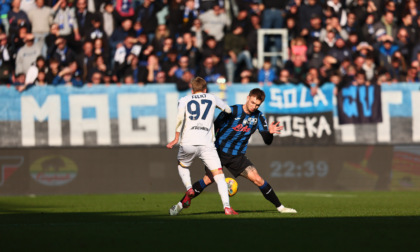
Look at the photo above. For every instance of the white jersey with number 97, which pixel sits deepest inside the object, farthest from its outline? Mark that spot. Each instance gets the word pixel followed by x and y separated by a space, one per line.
pixel 196 111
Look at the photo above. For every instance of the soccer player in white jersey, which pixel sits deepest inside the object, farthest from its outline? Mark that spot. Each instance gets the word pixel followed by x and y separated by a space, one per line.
pixel 195 118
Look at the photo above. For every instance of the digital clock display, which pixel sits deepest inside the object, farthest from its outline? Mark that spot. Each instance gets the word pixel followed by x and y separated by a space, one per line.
pixel 307 169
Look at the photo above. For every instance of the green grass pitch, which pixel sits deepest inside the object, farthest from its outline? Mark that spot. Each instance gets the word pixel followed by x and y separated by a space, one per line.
pixel 326 221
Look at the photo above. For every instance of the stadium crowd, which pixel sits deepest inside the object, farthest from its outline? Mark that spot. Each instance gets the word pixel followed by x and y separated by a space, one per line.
pixel 88 42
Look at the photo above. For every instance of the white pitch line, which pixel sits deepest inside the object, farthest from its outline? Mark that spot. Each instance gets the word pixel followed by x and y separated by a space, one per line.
pixel 328 195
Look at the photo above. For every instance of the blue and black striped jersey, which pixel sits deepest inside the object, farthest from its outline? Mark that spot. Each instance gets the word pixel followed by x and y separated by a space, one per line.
pixel 235 129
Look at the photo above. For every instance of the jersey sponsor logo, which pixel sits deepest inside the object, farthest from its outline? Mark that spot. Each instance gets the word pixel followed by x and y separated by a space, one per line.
pixel 199 128
pixel 237 118
pixel 242 128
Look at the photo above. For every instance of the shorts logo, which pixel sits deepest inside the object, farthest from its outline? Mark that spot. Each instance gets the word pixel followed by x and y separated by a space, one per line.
pixel 8 166
pixel 54 170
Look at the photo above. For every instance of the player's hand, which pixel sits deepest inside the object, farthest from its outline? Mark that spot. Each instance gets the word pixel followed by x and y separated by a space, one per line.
pixel 171 144
pixel 275 128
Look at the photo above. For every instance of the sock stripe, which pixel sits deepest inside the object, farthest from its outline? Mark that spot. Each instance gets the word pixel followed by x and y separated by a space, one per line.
pixel 263 186
pixel 202 184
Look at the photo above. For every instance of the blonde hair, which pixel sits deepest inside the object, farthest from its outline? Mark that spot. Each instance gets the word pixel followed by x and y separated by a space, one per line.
pixel 198 84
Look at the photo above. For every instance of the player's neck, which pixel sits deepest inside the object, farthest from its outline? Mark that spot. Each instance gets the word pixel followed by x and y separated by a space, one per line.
pixel 246 110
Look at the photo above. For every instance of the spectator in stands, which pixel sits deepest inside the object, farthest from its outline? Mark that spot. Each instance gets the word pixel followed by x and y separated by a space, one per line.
pixel 211 47
pixel 96 78
pixel 183 66
pixel 387 23
pixel 246 77
pixel 51 38
pixel 66 77
pixel 335 27
pixel 109 19
pixel 407 24
pixel 28 54
pixel 162 53
pixel 170 64
pixel 313 30
pixel 120 33
pixel 340 51
pixel 99 66
pixel 40 18
pixel 67 23
pixel 315 54
pixel 252 36
pixel 386 50
pixel 293 30
pixel 5 60
pixel 153 68
pixel 199 33
pixel 63 53
pixel 86 60
pixel 161 77
pixel 17 19
pixel 161 33
pixel 404 44
pixel 284 77
pixel 100 49
pixel 397 69
pixel 338 11
pixel 95 29
pixel 53 70
pixel 369 67
pixel 368 29
pixel 236 48
pixel 266 74
pixel 214 22
pixel 183 83
pixel 208 71
pixel 41 78
pixel 122 52
pixel 242 20
pixel 307 12
pixel 412 7
pixel 312 81
pixel 19 81
pixel 329 66
pixel 83 17
pixel 146 14
pixel 177 12
pixel 352 25
pixel 4 21
pixel 124 9
pixel 190 50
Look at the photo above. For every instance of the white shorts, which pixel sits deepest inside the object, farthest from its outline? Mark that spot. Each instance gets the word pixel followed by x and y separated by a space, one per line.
pixel 207 154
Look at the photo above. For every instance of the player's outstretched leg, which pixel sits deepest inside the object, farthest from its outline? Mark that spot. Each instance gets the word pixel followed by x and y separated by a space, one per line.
pixel 271 196
pixel 219 177
pixel 266 189
pixel 193 192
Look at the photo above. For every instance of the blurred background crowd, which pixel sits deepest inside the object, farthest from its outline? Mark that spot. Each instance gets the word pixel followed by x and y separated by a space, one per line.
pixel 89 42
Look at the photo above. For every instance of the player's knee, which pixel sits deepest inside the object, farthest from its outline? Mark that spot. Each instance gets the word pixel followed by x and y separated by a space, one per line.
pixel 258 181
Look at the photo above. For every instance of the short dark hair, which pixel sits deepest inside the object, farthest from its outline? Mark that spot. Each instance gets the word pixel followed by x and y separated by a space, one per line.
pixel 257 93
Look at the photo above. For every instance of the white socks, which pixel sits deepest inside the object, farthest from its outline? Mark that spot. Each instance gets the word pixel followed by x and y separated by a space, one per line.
pixel 184 173
pixel 223 189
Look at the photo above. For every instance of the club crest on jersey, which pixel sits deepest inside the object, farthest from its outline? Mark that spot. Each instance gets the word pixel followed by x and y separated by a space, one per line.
pixel 250 121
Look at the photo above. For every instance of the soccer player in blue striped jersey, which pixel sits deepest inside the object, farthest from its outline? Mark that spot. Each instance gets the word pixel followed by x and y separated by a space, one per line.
pixel 232 137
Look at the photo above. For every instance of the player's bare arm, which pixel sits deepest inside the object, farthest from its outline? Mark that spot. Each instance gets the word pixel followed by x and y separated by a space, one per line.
pixel 275 128
pixel 173 142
